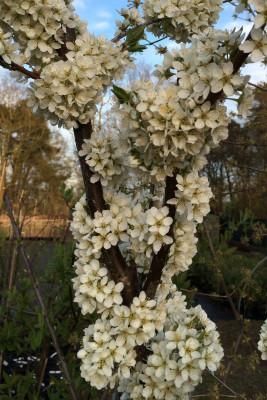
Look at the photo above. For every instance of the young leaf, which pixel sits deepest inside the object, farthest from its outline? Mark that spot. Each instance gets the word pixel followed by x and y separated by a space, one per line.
pixel 134 35
pixel 121 95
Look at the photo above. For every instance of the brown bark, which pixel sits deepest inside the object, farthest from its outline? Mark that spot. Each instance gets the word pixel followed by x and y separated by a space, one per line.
pixel 159 260
pixel 112 257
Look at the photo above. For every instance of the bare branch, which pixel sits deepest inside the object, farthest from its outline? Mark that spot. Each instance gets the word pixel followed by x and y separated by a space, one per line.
pixel 15 67
pixel 228 295
pixel 233 164
pixel 113 258
pixel 248 144
pixel 239 396
pixel 246 284
pixel 40 301
pixel 208 394
pixel 243 190
pixel 159 260
pixel 258 87
pixel 204 294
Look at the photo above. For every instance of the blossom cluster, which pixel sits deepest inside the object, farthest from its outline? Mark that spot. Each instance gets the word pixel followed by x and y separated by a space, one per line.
pixel 187 345
pixel 204 68
pixel 192 197
pixel 131 17
pixel 109 345
pixel 74 71
pixel 162 128
pixel 178 19
pixel 68 91
pixel 262 345
pixel 7 46
pixel 182 251
pixel 106 155
pixel 39 27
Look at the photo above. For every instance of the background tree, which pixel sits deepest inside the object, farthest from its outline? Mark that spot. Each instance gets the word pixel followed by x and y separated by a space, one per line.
pixel 237 170
pixel 32 159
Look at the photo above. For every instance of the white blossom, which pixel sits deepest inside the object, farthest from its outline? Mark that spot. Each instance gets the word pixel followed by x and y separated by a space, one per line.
pixel 262 344
pixel 257 45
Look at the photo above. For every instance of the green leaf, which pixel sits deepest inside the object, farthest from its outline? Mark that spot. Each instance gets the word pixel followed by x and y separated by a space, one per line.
pixel 201 336
pixel 134 35
pixel 230 251
pixel 136 49
pixel 37 340
pixel 121 94
pixel 41 319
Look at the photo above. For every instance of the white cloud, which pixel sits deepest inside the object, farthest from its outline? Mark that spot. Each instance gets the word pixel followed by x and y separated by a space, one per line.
pixel 238 24
pixel 79 4
pixel 172 45
pixel 104 14
pixel 100 25
pixel 257 71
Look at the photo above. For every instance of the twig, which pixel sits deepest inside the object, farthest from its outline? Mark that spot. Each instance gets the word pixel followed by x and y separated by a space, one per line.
pixel 208 395
pixel 40 301
pixel 246 167
pixel 238 341
pixel 15 67
pixel 24 312
pixel 246 284
pixel 244 144
pixel 226 386
pixel 243 190
pixel 204 294
pixel 105 394
pixel 42 365
pixel 258 87
pixel 228 295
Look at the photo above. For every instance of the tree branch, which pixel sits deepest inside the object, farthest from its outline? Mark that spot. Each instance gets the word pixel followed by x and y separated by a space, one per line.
pixel 244 144
pixel 239 396
pixel 159 260
pixel 243 190
pixel 40 301
pixel 258 87
pixel 15 67
pixel 113 258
